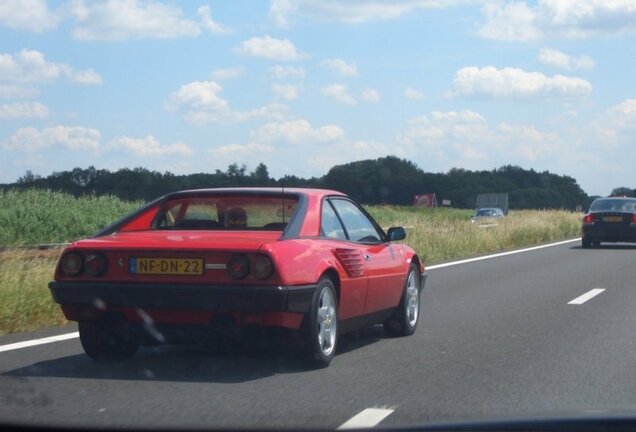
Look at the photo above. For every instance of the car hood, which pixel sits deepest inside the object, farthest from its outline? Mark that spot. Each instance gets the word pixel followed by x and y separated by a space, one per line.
pixel 584 421
pixel 182 240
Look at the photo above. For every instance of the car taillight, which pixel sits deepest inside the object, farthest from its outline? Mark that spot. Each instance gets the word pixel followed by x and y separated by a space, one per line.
pixel 262 267
pixel 589 218
pixel 71 264
pixel 95 264
pixel 634 218
pixel 238 267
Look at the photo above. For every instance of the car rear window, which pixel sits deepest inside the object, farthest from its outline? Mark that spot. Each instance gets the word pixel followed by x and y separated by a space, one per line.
pixel 488 212
pixel 619 205
pixel 227 212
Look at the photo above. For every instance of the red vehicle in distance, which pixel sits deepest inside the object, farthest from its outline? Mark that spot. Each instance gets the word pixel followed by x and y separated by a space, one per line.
pixel 219 260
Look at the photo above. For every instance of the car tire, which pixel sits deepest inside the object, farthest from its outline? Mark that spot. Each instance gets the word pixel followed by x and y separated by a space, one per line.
pixel 103 340
pixel 404 320
pixel 586 243
pixel 321 324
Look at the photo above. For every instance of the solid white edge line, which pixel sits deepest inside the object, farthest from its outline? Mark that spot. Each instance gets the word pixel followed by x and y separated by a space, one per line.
pixel 587 296
pixel 35 342
pixel 366 418
pixel 497 255
pixel 51 339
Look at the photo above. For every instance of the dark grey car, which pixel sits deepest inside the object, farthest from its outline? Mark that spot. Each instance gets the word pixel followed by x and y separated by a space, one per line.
pixel 609 220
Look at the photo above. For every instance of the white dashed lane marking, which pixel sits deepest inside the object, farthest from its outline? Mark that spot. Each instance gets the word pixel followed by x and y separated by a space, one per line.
pixel 367 418
pixel 587 296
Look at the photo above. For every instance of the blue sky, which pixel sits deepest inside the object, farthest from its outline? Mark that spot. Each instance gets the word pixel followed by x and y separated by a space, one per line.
pixel 303 85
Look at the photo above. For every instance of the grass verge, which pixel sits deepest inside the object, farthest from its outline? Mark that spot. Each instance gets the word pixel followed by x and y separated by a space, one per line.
pixel 24 293
pixel 440 234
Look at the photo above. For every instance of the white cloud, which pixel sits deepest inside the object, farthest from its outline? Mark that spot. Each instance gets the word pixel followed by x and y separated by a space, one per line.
pixel 585 18
pixel 443 126
pixel 205 14
pixel 268 112
pixel 279 11
pixel 517 21
pixel 341 67
pixel 513 21
pixel 286 91
pixel 118 20
pixel 31 15
pixel 246 150
pixel 23 110
pixel 282 12
pixel 370 95
pixel 296 132
pixel 273 111
pixel 558 59
pixel 320 148
pixel 528 143
pixel 227 74
pixel 18 92
pixel 29 66
pixel 346 152
pixel 269 48
pixel 617 125
pixel 606 143
pixel 513 83
pixel 411 93
pixel 149 146
pixel 339 93
pixel 30 139
pixel 200 103
pixel 464 138
pixel 199 95
pixel 624 114
pixel 282 72
pixel 86 77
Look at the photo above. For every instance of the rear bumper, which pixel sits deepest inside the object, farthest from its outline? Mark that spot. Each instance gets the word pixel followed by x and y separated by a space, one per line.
pixel 251 299
pixel 625 233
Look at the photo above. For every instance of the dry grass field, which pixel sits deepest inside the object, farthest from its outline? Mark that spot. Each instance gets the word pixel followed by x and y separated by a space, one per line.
pixel 440 234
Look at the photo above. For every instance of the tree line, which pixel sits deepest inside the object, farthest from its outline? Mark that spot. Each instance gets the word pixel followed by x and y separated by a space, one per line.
pixel 388 180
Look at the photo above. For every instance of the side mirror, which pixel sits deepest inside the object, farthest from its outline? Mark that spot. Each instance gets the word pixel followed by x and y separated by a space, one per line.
pixel 396 233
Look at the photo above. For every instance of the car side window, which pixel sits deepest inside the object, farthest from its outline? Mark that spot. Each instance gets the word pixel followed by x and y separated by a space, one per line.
pixel 330 225
pixel 357 224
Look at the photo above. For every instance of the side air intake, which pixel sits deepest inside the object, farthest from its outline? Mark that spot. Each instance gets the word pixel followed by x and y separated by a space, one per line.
pixel 351 260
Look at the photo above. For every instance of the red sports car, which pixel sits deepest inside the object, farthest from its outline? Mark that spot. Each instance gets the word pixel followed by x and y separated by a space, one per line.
pixel 224 260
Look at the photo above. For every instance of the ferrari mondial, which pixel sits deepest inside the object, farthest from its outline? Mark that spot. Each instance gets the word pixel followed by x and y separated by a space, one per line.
pixel 211 261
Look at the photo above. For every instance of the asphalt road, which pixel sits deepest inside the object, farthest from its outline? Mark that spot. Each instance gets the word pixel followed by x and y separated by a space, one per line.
pixel 497 338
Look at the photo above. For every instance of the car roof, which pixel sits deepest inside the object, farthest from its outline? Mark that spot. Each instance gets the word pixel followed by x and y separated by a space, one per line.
pixel 256 190
pixel 622 198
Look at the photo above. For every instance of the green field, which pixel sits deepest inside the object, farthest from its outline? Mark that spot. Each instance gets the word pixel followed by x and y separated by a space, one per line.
pixel 43 217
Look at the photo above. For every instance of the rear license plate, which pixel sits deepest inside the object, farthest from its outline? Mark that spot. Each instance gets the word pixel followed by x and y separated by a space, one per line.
pixel 167 266
pixel 612 219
